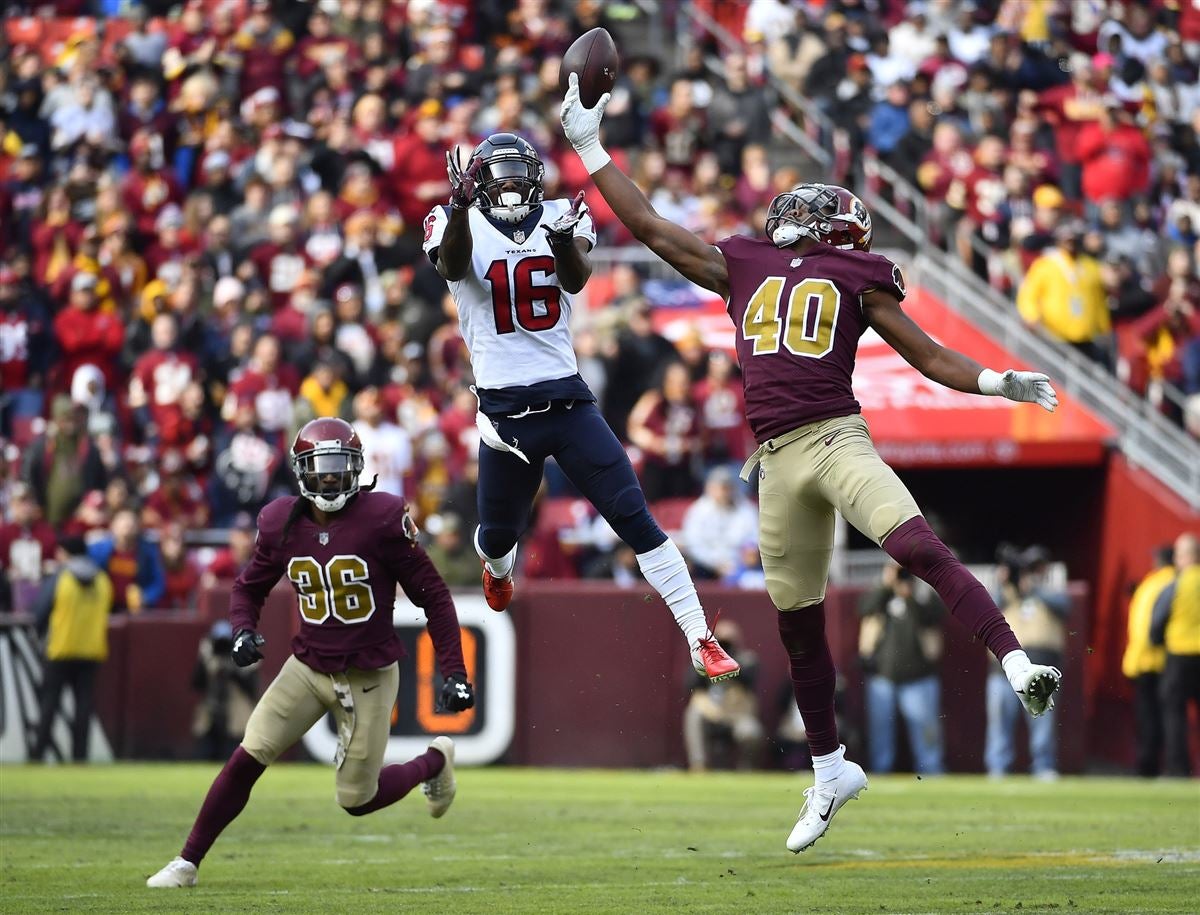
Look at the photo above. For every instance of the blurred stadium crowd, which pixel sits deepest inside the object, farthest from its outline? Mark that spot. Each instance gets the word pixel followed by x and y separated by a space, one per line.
pixel 211 215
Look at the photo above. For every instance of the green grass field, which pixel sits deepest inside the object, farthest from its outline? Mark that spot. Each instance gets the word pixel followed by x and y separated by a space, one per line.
pixel 84 839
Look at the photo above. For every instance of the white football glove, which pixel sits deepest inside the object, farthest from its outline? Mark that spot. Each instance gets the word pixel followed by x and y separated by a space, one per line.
pixel 1024 387
pixel 582 126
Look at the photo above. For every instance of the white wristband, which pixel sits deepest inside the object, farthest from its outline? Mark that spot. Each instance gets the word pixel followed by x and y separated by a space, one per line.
pixel 593 157
pixel 990 382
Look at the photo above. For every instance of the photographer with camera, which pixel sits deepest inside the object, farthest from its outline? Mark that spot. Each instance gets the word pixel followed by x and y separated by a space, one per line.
pixel 1037 614
pixel 899 645
pixel 228 694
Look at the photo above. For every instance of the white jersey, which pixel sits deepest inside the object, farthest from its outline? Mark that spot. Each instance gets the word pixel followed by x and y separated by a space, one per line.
pixel 514 316
pixel 387 454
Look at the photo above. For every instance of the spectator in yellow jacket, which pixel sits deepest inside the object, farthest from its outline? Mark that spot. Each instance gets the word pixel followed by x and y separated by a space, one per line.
pixel 73 609
pixel 1143 663
pixel 1064 295
pixel 1176 625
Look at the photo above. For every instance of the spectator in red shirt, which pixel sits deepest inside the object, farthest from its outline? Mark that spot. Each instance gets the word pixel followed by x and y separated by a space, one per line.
pixel 180 573
pixel 281 261
pixel 177 500
pixel 230 561
pixel 160 376
pixel 419 180
pixel 27 544
pixel 678 127
pixel 25 347
pixel 719 398
pixel 87 335
pixel 265 384
pixel 1115 157
pixel 665 425
pixel 265 47
pixel 1069 108
pixel 150 184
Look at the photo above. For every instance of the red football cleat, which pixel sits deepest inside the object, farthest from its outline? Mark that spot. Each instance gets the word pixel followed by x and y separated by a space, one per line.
pixel 497 592
pixel 713 661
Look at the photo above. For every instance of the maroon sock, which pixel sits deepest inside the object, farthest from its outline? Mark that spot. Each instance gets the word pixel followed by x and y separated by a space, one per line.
pixel 917 548
pixel 813 677
pixel 226 799
pixel 396 781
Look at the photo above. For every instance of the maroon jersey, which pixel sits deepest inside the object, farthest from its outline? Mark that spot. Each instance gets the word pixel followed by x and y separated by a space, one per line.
pixel 345 578
pixel 798 320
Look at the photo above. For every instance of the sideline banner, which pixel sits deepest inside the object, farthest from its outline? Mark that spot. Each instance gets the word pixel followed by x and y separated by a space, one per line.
pixel 482 734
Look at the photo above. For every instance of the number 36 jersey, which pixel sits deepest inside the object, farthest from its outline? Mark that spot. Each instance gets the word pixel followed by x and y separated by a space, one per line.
pixel 345 576
pixel 514 316
pixel 798 320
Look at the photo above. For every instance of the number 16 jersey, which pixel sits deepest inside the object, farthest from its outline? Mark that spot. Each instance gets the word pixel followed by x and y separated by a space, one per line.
pixel 514 316
pixel 798 320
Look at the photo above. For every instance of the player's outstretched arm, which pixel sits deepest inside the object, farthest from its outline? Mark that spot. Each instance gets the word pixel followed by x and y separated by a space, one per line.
pixel 699 262
pixel 454 253
pixel 946 366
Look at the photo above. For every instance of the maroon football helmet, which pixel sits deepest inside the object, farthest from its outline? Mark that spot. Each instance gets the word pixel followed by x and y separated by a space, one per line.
pixel 825 212
pixel 327 458
pixel 851 227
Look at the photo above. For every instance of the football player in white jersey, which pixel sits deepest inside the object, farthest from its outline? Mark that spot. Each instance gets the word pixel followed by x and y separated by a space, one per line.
pixel 513 261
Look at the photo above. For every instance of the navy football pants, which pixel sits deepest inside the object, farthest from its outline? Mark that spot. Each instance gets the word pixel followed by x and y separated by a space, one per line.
pixel 591 456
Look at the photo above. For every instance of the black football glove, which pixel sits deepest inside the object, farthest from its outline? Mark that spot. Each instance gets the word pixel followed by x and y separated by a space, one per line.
pixel 246 645
pixel 561 232
pixel 458 694
pixel 462 181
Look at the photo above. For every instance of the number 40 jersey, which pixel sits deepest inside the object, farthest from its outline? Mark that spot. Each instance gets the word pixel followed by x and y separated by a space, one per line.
pixel 514 316
pixel 798 320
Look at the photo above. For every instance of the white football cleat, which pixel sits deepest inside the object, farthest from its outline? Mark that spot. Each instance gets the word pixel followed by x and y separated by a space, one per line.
pixel 440 790
pixel 177 873
pixel 822 802
pixel 1035 685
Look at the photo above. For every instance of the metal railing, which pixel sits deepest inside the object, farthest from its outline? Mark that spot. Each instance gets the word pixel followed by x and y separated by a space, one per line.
pixel 1146 437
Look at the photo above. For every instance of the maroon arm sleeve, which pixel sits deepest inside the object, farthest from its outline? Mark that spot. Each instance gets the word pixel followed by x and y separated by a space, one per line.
pixel 423 585
pixel 255 582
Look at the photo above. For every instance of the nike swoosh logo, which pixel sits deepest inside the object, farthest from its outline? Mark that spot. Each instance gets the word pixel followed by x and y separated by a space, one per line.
pixel 367 689
pixel 829 441
pixel 828 810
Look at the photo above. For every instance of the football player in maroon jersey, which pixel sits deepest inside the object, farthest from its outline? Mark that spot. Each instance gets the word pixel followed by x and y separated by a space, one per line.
pixel 800 302
pixel 344 549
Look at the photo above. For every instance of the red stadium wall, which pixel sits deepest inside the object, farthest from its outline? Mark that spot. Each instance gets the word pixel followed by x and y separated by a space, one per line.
pixel 1139 514
pixel 601 677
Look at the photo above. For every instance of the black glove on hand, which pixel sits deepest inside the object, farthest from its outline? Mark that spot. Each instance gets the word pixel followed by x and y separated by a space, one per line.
pixel 246 646
pixel 561 232
pixel 458 694
pixel 462 181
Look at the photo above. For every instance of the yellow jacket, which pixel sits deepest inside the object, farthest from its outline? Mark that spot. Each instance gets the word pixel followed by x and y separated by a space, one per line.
pixel 1066 296
pixel 1177 611
pixel 82 601
pixel 1140 656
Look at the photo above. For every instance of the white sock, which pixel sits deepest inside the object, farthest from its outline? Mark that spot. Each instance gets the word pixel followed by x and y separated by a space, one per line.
pixel 501 567
pixel 667 573
pixel 829 766
pixel 1015 663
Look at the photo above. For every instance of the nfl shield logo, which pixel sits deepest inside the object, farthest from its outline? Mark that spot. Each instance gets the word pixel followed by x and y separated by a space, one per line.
pixel 519 236
pixel 323 538
pixel 797 261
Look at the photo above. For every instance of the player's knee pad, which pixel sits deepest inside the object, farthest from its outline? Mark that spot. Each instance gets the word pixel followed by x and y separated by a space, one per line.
pixel 630 517
pixel 352 797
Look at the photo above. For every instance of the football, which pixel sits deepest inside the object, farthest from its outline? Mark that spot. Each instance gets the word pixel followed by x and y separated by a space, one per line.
pixel 593 55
